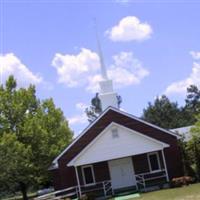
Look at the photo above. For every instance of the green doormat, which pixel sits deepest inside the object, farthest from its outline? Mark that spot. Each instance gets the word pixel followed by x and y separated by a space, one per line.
pixel 127 197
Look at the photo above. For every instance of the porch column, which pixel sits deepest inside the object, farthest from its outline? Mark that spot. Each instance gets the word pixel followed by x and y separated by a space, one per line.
pixel 78 182
pixel 165 166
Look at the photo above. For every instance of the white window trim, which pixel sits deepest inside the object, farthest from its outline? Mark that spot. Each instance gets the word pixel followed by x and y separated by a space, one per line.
pixel 158 158
pixel 83 175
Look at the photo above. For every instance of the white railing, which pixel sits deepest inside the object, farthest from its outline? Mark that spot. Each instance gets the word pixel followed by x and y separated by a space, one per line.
pixel 107 187
pixel 60 194
pixel 104 186
pixel 141 179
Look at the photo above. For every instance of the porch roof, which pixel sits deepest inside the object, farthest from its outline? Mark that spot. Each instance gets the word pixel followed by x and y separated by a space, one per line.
pixel 107 146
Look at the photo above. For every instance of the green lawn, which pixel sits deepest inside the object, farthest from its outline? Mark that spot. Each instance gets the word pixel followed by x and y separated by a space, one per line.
pixel 191 192
pixel 19 197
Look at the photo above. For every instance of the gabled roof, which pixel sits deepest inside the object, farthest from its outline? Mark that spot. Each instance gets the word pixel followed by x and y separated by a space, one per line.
pixel 104 147
pixel 102 115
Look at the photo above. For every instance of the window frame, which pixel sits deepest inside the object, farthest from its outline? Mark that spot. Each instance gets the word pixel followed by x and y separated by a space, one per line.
pixel 83 175
pixel 158 160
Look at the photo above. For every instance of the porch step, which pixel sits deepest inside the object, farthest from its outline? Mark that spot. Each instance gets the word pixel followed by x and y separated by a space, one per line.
pixel 125 191
pixel 126 197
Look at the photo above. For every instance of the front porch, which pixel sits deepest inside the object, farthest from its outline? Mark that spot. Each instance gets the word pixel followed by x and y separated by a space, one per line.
pixel 120 158
pixel 138 173
pixel 116 160
pixel 134 173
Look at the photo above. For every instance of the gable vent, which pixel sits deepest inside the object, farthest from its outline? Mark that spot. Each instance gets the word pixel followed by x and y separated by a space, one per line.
pixel 115 133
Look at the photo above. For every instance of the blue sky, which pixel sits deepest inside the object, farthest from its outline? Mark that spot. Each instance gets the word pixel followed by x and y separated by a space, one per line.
pixel 52 44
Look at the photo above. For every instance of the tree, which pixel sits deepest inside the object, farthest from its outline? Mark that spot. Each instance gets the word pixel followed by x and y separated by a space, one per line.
pixel 32 133
pixel 94 109
pixel 192 103
pixel 167 114
pixel 186 157
pixel 194 145
pixel 164 113
pixel 15 164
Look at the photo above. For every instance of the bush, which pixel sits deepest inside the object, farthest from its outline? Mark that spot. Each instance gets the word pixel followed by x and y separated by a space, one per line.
pixel 181 181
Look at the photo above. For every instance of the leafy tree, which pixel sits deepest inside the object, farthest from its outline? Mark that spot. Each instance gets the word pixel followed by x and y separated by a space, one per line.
pixel 94 109
pixel 32 133
pixel 186 157
pixel 15 164
pixel 164 113
pixel 192 103
pixel 167 114
pixel 194 145
pixel 193 99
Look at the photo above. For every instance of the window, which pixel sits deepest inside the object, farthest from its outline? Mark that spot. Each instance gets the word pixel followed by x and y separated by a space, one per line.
pixel 88 175
pixel 154 162
pixel 115 133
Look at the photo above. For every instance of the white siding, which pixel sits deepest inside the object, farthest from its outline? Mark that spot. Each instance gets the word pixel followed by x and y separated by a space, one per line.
pixel 106 147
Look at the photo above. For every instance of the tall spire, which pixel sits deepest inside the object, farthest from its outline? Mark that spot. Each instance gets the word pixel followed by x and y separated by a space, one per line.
pixel 103 67
pixel 107 96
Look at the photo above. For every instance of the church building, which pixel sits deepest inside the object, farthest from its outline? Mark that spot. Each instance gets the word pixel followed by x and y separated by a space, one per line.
pixel 117 152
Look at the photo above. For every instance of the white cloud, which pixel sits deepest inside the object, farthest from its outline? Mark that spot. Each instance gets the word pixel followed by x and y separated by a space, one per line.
pixel 195 55
pixel 80 118
pixel 73 69
pixel 125 71
pixel 129 29
pixel 193 79
pixel 12 65
pixel 129 69
pixel 93 83
pixel 83 70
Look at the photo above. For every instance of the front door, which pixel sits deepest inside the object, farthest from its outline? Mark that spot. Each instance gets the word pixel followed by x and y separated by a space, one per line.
pixel 122 173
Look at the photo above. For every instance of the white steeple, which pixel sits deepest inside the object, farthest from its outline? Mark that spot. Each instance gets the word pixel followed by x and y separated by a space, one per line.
pixel 103 68
pixel 107 96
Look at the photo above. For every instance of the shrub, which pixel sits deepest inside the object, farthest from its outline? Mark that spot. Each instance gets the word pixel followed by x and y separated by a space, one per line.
pixel 181 181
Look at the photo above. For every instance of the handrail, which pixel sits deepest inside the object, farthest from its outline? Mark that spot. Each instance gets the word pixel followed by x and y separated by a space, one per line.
pixel 154 172
pixel 106 186
pixel 109 188
pixel 53 194
pixel 157 177
pixel 142 180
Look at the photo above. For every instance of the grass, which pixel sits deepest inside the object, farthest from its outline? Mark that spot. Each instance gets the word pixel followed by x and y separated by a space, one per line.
pixel 191 192
pixel 19 197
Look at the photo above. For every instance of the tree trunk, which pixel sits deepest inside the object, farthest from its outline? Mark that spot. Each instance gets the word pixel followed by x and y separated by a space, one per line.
pixel 24 191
